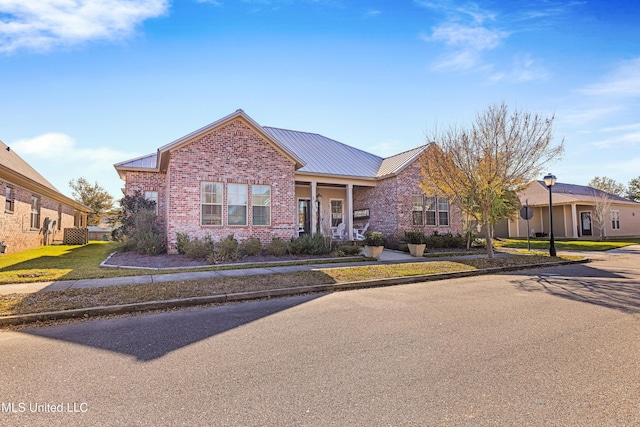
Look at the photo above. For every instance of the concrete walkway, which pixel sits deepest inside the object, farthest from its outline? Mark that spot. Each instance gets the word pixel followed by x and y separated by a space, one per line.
pixel 388 257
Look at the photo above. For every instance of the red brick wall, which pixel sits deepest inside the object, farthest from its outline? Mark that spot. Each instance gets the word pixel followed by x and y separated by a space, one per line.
pixel 231 154
pixel 15 226
pixel 390 204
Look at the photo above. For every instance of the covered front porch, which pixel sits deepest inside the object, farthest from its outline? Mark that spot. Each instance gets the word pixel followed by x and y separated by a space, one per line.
pixel 326 206
pixel 569 221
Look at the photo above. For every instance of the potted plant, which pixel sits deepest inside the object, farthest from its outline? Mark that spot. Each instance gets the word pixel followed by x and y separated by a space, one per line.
pixel 373 244
pixel 416 241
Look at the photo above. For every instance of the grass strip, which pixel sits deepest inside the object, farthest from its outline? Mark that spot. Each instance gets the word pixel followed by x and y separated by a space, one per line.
pixel 126 294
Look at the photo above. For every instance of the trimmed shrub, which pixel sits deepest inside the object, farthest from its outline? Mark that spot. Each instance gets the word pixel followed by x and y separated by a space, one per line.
pixel 198 249
pixel 315 244
pixel 227 249
pixel 347 249
pixel 150 243
pixel 252 246
pixel 446 240
pixel 277 247
pixel 182 240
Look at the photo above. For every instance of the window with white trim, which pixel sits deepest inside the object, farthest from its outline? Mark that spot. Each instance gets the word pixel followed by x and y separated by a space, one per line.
pixel 152 196
pixel 337 216
pixel 237 204
pixel 443 211
pixel 615 220
pixel 430 210
pixel 261 204
pixel 211 203
pixel 35 213
pixel 417 209
pixel 9 199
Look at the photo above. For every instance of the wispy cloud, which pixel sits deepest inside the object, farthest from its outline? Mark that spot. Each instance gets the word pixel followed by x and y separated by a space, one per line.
pixel 213 2
pixel 372 13
pixel 623 81
pixel 524 69
pixel 468 43
pixel 44 24
pixel 621 138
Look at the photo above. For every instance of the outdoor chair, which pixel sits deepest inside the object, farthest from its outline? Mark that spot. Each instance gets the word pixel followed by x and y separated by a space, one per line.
pixel 338 233
pixel 358 234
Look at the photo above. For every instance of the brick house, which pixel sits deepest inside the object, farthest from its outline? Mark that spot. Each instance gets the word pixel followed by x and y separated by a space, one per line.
pixel 35 212
pixel 237 177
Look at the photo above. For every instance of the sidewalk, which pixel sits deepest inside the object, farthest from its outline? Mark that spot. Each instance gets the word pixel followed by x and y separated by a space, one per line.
pixel 388 257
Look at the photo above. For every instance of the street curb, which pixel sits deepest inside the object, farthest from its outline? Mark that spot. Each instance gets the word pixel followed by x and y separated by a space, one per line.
pixel 22 319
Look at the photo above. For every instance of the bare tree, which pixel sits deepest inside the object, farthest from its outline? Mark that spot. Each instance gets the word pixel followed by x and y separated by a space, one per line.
pixel 600 211
pixel 609 185
pixel 477 167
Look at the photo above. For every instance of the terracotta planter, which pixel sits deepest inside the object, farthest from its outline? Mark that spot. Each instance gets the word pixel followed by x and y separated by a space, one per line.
pixel 373 251
pixel 416 250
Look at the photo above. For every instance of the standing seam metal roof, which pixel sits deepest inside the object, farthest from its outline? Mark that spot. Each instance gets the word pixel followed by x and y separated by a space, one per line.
pixel 326 156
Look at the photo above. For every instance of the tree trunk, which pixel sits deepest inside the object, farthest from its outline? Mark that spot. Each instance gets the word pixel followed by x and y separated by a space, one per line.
pixel 487 229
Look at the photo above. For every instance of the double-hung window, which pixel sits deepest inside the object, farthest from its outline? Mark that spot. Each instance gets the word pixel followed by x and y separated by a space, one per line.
pixel 261 204
pixel 443 211
pixel 35 212
pixel 417 209
pixel 336 213
pixel 615 220
pixel 211 203
pixel 237 204
pixel 9 199
pixel 430 210
pixel 152 196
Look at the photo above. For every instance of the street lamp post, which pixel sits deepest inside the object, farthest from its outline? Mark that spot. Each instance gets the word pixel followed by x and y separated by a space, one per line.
pixel 550 181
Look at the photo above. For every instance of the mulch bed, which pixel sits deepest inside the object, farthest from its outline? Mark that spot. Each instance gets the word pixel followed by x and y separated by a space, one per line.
pixel 132 259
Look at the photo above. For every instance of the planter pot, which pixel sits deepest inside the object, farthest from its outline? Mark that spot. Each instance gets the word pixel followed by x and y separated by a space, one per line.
pixel 416 250
pixel 373 251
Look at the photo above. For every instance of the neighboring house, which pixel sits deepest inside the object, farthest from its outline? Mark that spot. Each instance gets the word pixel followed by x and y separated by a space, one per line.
pixel 237 177
pixel 575 210
pixel 35 212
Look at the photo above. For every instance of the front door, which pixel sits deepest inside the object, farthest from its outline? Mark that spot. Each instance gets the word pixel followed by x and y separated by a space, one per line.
pixel 585 223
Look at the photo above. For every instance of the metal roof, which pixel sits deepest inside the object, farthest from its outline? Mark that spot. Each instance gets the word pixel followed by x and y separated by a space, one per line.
pixel 538 194
pixel 313 153
pixel 149 161
pixel 326 156
pixel 394 164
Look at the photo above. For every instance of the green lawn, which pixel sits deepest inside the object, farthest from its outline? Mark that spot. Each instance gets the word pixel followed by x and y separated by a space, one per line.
pixel 581 245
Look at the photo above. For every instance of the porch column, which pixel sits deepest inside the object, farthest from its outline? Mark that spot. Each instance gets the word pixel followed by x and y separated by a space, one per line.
pixel 314 207
pixel 349 208
pixel 574 219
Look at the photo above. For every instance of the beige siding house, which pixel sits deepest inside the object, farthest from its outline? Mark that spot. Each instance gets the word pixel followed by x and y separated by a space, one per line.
pixel 237 177
pixel 34 212
pixel 574 213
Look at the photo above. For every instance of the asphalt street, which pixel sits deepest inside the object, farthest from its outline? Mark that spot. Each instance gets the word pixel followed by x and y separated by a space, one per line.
pixel 557 346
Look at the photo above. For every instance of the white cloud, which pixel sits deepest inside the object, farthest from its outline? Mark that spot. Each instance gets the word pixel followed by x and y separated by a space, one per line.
pixel 624 81
pixel 524 69
pixel 59 158
pixel 44 24
pixel 624 139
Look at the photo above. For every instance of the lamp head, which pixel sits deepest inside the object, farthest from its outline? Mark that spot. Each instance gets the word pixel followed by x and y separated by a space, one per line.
pixel 549 180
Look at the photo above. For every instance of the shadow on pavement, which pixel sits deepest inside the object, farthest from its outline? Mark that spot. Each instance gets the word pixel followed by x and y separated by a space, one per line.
pixel 587 284
pixel 152 336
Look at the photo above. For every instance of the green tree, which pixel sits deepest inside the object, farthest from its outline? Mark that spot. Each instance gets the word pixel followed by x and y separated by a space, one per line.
pixel 608 185
pixel 633 189
pixel 94 197
pixel 480 167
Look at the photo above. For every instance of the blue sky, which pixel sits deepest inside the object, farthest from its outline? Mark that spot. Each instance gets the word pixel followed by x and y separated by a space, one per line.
pixel 86 83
